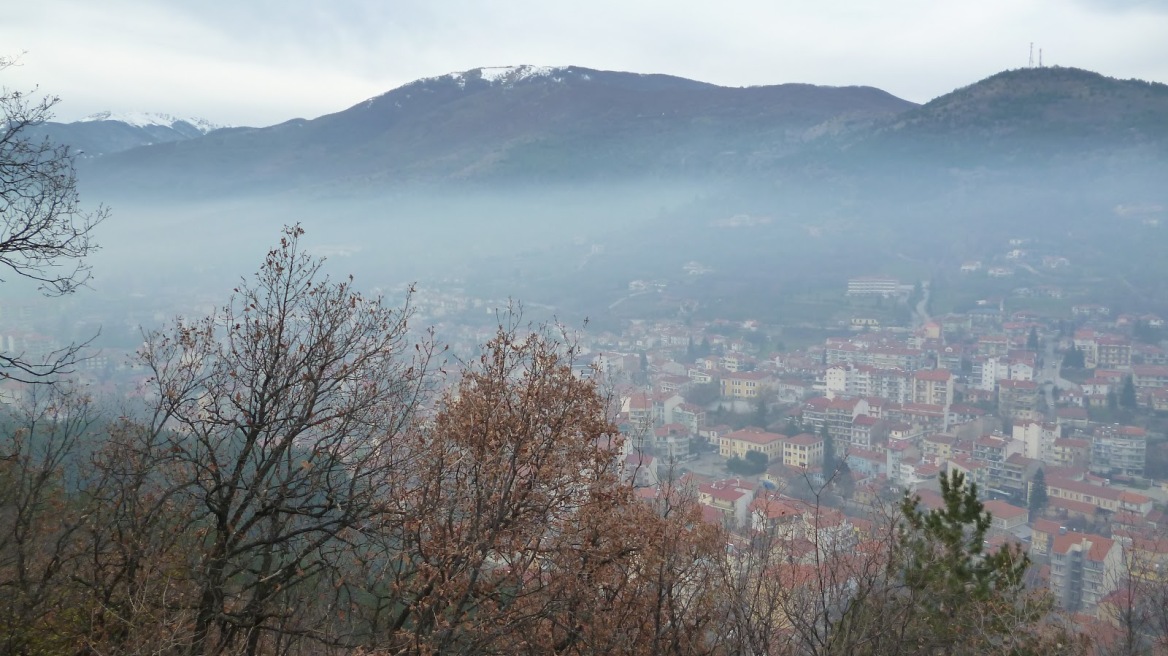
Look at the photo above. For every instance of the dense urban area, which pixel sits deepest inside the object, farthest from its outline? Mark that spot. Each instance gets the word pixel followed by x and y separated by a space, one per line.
pixel 766 398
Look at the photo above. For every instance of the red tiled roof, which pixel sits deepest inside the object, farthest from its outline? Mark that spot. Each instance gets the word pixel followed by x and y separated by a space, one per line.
pixel 1073 506
pixel 1047 526
pixel 772 508
pixel 805 439
pixel 1094 547
pixel 754 436
pixel 722 492
pixel 1004 510
pixel 937 375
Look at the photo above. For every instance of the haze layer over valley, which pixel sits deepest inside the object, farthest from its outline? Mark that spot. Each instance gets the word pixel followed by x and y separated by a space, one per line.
pixel 559 186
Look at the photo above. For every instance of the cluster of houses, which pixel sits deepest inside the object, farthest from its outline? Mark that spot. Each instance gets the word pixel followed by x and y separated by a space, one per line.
pixel 964 393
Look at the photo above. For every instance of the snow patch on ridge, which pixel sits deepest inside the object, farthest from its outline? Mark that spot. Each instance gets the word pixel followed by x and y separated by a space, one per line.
pixel 149 119
pixel 513 74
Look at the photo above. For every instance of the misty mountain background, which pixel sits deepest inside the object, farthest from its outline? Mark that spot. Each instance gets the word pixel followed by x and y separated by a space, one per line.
pixel 560 185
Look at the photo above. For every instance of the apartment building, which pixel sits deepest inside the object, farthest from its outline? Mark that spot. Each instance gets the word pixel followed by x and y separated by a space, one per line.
pixel 1084 568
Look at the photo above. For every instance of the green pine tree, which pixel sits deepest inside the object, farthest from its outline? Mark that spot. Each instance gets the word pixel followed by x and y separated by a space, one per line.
pixel 829 463
pixel 1074 359
pixel 1127 396
pixel 1038 494
pixel 945 563
pixel 761 411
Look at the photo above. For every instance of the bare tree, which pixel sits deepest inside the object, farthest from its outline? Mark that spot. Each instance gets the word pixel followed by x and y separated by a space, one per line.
pixel 45 235
pixel 275 431
pixel 514 533
pixel 40 519
pixel 1138 605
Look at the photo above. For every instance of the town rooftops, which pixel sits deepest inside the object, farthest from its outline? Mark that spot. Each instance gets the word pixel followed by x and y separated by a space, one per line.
pixel 804 439
pixel 771 507
pixel 936 375
pixel 1094 547
pixel 754 436
pixel 1003 510
pixel 1047 526
pixel 728 490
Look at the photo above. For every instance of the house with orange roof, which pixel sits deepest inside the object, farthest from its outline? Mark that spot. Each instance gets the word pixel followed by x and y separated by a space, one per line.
pixel 1042 535
pixel 933 386
pixel 691 415
pixel 773 515
pixel 741 442
pixel 1006 517
pixel 731 497
pixel 803 451
pixel 745 384
pixel 865 430
pixel 671 442
pixel 1018 398
pixel 640 470
pixel 1070 452
pixel 975 471
pixel 1084 568
pixel 1074 510
pixel 938 447
pixel 1102 497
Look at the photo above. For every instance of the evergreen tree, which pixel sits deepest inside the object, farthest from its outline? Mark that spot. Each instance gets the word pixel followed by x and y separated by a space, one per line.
pixel 829 463
pixel 1032 340
pixel 761 412
pixel 690 351
pixel 952 578
pixel 1074 359
pixel 793 427
pixel 844 484
pixel 1038 494
pixel 946 546
pixel 1127 396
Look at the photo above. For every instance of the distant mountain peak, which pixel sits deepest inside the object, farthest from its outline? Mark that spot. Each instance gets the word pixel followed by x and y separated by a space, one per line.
pixel 502 75
pixel 513 74
pixel 151 119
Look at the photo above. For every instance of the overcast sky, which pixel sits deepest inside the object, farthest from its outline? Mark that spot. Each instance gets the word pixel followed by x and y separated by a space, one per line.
pixel 259 62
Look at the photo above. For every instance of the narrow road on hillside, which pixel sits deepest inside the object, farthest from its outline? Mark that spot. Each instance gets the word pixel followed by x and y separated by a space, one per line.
pixel 920 312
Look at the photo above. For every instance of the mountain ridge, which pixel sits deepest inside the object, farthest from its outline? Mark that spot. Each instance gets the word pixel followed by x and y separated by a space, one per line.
pixel 517 121
pixel 566 123
pixel 107 132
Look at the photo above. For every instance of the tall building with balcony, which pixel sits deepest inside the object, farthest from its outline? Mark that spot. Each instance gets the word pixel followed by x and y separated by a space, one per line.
pixel 1084 568
pixel 933 386
pixel 1119 450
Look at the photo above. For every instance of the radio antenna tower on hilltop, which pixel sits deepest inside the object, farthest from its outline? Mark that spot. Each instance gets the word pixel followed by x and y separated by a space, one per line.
pixel 1030 64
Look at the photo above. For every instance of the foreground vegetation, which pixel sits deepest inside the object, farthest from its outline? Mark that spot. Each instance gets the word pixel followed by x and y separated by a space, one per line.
pixel 302 477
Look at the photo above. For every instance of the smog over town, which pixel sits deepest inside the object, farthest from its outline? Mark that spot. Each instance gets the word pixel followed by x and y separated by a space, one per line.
pixel 762 328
